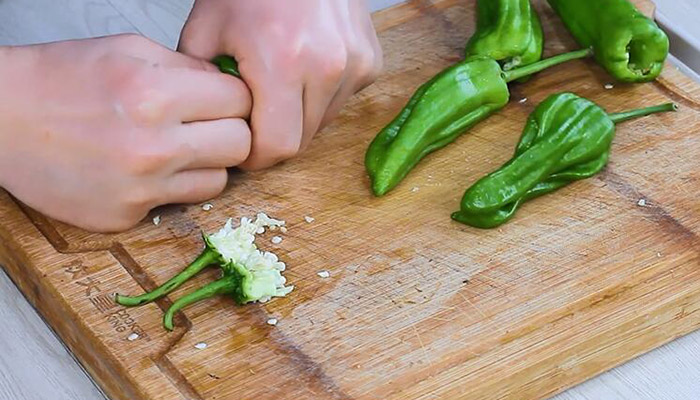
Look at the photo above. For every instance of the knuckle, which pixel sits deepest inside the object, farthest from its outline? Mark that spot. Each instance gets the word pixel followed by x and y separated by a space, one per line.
pixel 369 65
pixel 334 65
pixel 139 199
pixel 378 65
pixel 289 55
pixel 286 149
pixel 145 160
pixel 145 104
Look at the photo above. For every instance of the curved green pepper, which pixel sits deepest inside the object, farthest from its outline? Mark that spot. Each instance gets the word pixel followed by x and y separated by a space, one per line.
pixel 440 111
pixel 509 31
pixel 630 46
pixel 566 138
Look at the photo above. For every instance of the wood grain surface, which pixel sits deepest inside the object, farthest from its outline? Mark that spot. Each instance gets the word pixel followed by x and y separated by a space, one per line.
pixel 417 307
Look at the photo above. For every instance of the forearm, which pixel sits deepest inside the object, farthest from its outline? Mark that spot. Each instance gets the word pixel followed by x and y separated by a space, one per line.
pixel 15 87
pixel 6 70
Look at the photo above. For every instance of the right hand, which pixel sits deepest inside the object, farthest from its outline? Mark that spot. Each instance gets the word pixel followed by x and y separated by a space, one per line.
pixel 98 132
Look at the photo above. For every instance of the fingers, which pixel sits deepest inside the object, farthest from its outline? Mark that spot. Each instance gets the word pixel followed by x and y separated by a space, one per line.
pixel 200 96
pixel 363 70
pixel 215 144
pixel 195 186
pixel 277 122
pixel 318 94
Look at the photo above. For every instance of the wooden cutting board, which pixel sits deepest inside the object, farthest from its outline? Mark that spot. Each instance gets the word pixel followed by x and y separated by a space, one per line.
pixel 417 306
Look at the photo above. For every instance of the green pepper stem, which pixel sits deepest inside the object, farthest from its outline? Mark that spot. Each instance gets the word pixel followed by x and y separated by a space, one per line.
pixel 642 112
pixel 208 257
pixel 527 70
pixel 222 286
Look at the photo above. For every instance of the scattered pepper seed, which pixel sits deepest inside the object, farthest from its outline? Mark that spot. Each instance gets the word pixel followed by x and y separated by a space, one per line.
pixel 132 337
pixel 156 220
pixel 642 203
pixel 272 321
pixel 608 86
pixel 324 274
pixel 200 346
pixel 658 255
pixel 207 207
pixel 523 100
pixel 415 189
pixel 309 219
pixel 283 229
pixel 276 240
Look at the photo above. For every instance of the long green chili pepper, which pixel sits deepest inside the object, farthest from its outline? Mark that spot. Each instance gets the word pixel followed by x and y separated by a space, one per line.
pixel 509 31
pixel 441 110
pixel 630 46
pixel 566 138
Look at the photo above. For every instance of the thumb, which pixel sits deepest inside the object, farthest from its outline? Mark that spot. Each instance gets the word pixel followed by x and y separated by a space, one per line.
pixel 276 119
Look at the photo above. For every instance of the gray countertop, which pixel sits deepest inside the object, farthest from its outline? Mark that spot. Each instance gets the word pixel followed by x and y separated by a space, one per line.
pixel 35 366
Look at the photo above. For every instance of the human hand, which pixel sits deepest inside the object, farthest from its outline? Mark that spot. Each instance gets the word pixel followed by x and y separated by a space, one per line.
pixel 302 60
pixel 98 132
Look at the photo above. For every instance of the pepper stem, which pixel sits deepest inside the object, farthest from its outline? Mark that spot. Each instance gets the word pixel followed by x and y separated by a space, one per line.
pixel 205 259
pixel 642 112
pixel 527 70
pixel 222 286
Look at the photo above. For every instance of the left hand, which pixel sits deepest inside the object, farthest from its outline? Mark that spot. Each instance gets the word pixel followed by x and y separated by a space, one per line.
pixel 302 60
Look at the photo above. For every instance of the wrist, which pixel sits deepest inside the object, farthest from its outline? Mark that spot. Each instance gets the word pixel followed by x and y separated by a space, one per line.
pixel 8 61
pixel 5 71
pixel 9 65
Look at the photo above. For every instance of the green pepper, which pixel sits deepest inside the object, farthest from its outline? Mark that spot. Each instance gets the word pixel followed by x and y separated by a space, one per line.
pixel 566 138
pixel 630 46
pixel 441 110
pixel 227 65
pixel 248 275
pixel 509 31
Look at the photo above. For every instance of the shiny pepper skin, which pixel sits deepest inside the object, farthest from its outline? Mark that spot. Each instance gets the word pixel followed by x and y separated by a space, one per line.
pixel 567 138
pixel 227 65
pixel 509 31
pixel 440 111
pixel 436 115
pixel 630 46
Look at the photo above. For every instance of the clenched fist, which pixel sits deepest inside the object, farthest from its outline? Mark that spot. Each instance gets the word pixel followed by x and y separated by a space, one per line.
pixel 302 60
pixel 98 132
